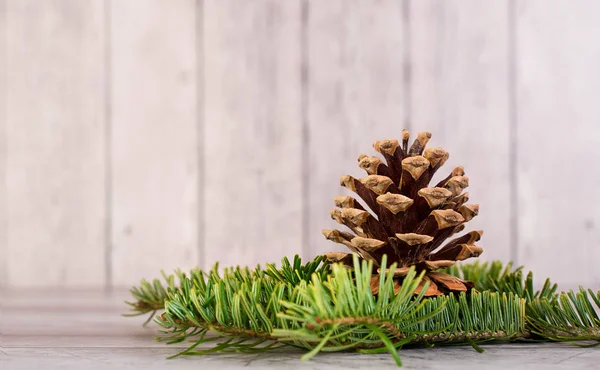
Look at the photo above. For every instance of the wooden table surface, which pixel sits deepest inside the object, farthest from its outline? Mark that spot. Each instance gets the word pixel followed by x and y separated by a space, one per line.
pixel 85 330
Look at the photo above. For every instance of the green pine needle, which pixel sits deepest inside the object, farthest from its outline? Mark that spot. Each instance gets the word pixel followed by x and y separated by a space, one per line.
pixel 323 308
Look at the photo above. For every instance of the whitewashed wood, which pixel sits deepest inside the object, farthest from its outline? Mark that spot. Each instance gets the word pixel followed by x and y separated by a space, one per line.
pixel 71 318
pixel 59 300
pixel 523 356
pixel 154 141
pixel 3 143
pixel 558 138
pixel 55 136
pixel 459 91
pixel 252 126
pixel 354 53
pixel 355 97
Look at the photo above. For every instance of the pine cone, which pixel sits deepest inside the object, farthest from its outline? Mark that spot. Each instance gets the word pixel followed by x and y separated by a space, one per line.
pixel 411 220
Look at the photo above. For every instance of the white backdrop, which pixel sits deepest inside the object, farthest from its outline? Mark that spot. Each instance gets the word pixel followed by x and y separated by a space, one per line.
pixel 140 135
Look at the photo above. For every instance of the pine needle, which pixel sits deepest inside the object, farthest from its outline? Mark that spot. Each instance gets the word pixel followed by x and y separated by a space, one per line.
pixel 323 308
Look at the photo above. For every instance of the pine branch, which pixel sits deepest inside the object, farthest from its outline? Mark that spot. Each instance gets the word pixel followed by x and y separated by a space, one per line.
pixel 323 308
pixel 340 313
pixel 150 297
pixel 566 317
pixel 496 277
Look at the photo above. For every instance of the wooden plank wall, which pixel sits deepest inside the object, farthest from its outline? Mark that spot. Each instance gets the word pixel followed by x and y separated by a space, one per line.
pixel 55 136
pixel 144 135
pixel 252 149
pixel 558 136
pixel 154 139
pixel 355 95
pixel 460 92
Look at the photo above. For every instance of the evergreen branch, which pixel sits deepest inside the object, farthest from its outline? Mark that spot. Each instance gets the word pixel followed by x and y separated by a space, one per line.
pixel 344 305
pixel 566 317
pixel 322 308
pixel 496 277
pixel 483 274
pixel 150 296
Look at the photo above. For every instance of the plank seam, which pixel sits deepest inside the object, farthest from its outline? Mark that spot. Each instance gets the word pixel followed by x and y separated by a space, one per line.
pixel 200 122
pixel 108 175
pixel 304 86
pixel 407 61
pixel 513 126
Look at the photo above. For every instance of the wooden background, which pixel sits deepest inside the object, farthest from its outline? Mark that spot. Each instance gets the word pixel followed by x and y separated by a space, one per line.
pixel 142 135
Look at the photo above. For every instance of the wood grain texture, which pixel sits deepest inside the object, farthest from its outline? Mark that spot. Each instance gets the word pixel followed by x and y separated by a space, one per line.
pixel 558 138
pixel 154 138
pixel 108 147
pixel 55 143
pixel 459 53
pixel 252 130
pixel 87 333
pixel 153 357
pixel 355 97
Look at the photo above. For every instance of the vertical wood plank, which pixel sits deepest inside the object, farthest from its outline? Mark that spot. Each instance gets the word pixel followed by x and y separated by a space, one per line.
pixel 55 137
pixel 460 92
pixel 558 135
pixel 253 130
pixel 355 97
pixel 3 151
pixel 154 138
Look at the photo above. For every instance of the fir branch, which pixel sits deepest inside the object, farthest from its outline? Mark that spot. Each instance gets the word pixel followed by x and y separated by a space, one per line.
pixel 482 274
pixel 566 317
pixel 496 277
pixel 343 310
pixel 324 308
pixel 150 296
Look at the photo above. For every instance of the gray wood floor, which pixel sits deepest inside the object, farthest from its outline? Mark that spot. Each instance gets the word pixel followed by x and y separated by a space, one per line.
pixel 84 330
